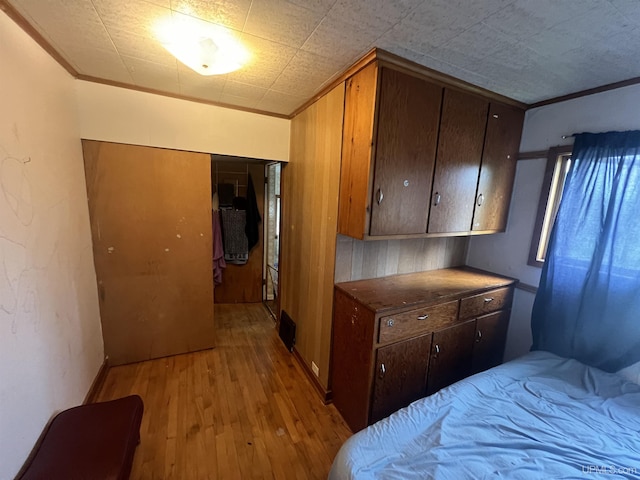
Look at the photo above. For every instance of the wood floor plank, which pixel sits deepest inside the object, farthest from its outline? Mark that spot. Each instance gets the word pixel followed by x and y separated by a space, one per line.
pixel 243 410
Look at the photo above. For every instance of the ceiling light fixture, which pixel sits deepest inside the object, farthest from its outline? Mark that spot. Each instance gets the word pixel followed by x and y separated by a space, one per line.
pixel 204 47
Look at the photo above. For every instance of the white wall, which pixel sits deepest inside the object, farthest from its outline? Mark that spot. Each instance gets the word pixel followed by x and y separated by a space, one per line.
pixel 127 116
pixel 507 253
pixel 602 112
pixel 50 336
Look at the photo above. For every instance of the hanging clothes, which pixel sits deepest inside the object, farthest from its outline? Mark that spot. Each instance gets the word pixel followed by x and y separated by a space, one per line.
pixel 218 250
pixel 236 248
pixel 252 228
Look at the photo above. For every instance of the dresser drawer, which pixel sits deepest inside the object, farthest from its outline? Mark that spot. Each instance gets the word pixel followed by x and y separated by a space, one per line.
pixel 422 320
pixel 486 302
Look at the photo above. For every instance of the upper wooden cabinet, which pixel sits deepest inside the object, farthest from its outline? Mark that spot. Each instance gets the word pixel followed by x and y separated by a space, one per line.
pixel 389 148
pixel 501 145
pixel 408 113
pixel 357 148
pixel 422 158
pixel 462 127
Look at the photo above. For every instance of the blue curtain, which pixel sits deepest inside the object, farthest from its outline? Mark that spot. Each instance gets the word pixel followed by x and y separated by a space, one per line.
pixel 588 302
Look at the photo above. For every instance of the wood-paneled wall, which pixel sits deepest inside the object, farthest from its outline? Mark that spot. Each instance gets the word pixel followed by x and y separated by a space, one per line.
pixel 310 205
pixel 357 260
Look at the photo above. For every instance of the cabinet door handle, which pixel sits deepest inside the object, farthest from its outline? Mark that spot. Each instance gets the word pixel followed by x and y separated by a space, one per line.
pixel 423 317
pixel 480 200
pixel 380 196
pixel 383 370
pixel 478 336
pixel 437 350
pixel 488 299
pixel 436 199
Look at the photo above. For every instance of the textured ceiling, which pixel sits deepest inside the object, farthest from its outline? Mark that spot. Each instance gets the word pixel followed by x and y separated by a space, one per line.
pixel 529 50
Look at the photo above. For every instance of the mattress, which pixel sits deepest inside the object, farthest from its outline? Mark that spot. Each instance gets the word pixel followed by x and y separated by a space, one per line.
pixel 540 416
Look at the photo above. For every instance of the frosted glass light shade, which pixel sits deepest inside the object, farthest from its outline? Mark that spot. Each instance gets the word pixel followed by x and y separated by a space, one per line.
pixel 204 47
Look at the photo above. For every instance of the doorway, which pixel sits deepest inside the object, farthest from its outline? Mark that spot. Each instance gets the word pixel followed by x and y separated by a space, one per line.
pixel 235 184
pixel 151 221
pixel 238 189
pixel 272 235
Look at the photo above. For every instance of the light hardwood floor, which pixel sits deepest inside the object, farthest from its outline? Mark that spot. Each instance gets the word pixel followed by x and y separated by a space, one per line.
pixel 242 410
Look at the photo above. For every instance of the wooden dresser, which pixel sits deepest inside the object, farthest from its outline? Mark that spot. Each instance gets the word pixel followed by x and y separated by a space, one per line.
pixel 399 338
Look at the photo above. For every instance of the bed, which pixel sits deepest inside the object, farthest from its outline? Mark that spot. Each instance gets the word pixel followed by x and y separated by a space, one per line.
pixel 540 416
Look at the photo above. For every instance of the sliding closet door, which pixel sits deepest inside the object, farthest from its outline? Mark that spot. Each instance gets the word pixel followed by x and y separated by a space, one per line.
pixel 150 212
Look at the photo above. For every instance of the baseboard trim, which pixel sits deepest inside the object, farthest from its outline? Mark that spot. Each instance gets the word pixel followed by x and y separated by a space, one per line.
pixel 98 382
pixel 325 395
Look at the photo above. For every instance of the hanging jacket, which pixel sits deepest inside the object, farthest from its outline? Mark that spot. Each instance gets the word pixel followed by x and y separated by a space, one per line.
pixel 252 228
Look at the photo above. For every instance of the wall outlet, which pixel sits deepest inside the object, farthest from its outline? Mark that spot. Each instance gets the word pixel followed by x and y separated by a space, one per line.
pixel 315 369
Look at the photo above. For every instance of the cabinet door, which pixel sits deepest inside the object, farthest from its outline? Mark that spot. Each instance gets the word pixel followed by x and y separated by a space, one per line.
pixel 462 128
pixel 351 359
pixel 491 336
pixel 400 375
pixel 451 352
pixel 357 150
pixel 501 145
pixel 408 117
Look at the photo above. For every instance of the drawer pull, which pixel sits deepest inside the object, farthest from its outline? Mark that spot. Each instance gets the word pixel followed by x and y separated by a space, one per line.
pixel 423 317
pixel 383 370
pixel 478 336
pixel 390 322
pixel 488 299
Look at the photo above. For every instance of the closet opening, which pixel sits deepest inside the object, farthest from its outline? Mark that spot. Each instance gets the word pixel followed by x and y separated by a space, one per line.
pixel 272 235
pixel 246 221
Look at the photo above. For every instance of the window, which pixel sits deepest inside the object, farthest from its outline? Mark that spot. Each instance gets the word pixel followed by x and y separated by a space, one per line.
pixel 558 163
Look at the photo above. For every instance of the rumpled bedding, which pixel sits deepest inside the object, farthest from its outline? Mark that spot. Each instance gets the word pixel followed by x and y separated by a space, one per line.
pixel 540 416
